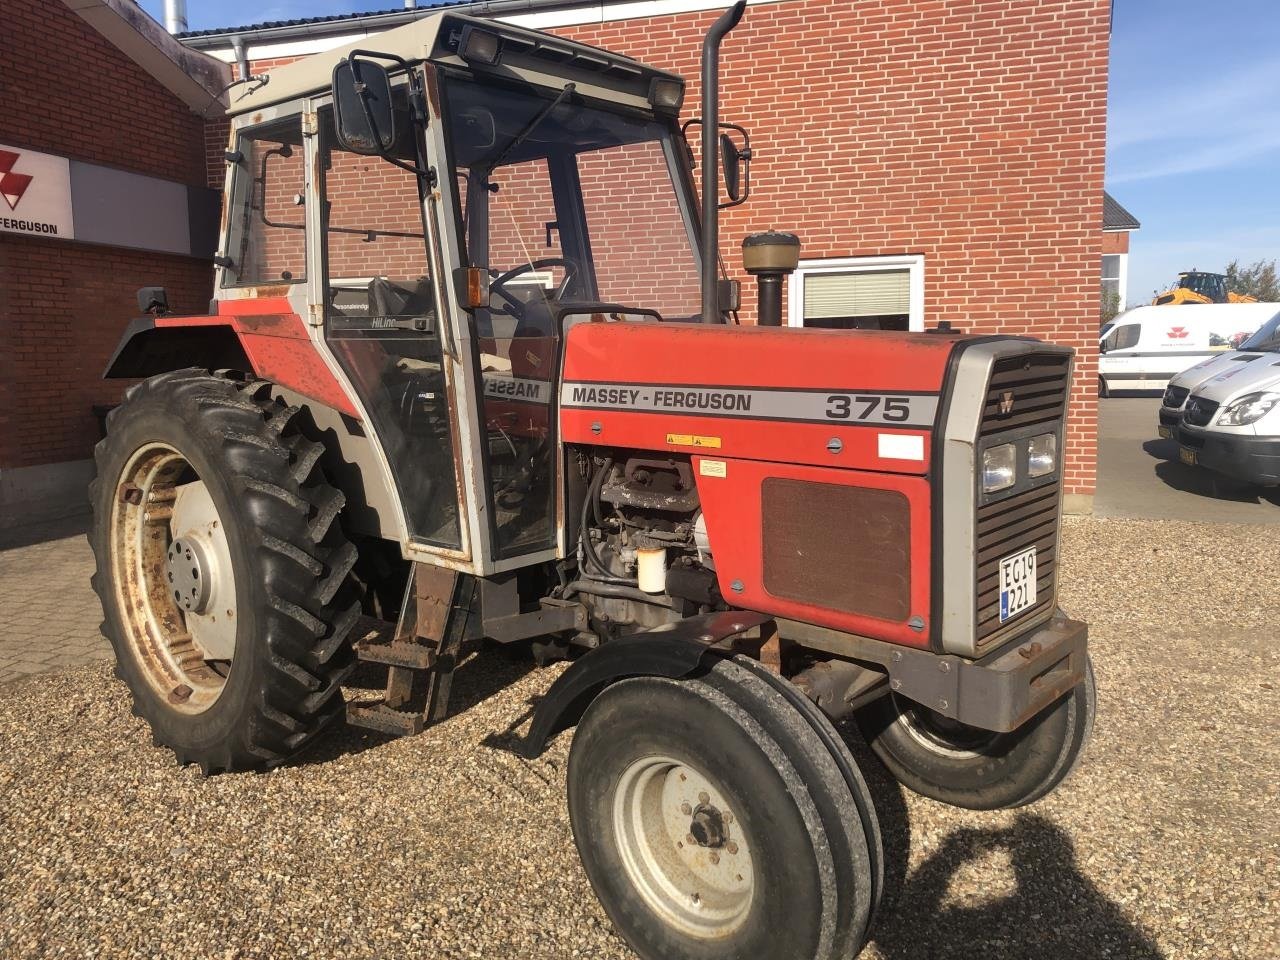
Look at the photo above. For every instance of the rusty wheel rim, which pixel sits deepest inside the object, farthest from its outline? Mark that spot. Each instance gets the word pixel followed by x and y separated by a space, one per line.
pixel 173 580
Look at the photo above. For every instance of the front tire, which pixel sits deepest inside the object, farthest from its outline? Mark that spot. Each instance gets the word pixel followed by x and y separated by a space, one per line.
pixel 718 825
pixel 978 769
pixel 222 571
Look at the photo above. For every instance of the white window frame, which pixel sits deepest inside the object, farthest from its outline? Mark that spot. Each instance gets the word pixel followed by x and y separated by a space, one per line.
pixel 913 262
pixel 1122 277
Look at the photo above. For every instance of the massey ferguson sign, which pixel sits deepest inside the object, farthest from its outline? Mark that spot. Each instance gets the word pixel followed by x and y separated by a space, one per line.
pixel 36 188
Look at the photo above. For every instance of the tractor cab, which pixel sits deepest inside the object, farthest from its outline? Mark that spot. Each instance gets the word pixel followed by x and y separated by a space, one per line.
pixel 461 212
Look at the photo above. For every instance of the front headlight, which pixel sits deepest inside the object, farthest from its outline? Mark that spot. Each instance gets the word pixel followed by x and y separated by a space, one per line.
pixel 999 467
pixel 1042 455
pixel 1251 407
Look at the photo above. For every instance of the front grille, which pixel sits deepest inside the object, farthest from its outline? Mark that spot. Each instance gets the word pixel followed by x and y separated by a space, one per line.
pixel 1025 391
pixel 1174 396
pixel 1004 528
pixel 1200 411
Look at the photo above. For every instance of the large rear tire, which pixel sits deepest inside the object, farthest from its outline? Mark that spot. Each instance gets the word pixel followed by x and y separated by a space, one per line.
pixel 979 769
pixel 222 570
pixel 713 822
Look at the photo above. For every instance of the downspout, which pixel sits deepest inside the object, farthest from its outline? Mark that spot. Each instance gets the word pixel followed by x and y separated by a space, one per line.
pixel 242 57
pixel 175 16
pixel 711 161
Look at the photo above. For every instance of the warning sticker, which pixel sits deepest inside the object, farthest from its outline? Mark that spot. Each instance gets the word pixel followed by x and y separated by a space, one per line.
pixel 691 440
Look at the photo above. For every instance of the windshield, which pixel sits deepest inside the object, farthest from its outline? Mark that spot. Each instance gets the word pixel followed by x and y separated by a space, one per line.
pixel 568 201
pixel 1265 338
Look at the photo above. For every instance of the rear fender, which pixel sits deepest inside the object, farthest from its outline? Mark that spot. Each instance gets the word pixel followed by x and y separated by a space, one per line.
pixel 146 349
pixel 263 337
pixel 671 651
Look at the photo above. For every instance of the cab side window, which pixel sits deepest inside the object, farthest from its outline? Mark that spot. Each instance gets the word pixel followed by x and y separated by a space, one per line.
pixel 1123 337
pixel 266 241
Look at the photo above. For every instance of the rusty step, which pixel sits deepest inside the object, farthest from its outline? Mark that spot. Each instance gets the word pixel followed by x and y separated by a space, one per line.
pixel 380 717
pixel 412 656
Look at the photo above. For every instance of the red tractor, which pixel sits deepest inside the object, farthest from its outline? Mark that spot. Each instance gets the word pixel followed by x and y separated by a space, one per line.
pixel 471 374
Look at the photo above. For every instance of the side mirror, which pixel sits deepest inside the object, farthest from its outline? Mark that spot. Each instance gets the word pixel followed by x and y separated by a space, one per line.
pixel 153 300
pixel 735 165
pixel 363 118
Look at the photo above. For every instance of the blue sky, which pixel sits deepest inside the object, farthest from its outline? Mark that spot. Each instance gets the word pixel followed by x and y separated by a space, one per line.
pixel 1193 131
pixel 1193 135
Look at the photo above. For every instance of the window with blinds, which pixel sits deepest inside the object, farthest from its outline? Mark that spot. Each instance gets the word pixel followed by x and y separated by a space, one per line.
pixel 861 293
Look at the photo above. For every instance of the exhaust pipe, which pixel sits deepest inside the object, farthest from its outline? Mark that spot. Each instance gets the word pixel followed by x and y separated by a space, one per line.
pixel 175 16
pixel 711 161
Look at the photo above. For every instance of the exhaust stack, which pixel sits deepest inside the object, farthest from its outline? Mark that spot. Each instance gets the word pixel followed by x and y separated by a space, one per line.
pixel 175 16
pixel 711 160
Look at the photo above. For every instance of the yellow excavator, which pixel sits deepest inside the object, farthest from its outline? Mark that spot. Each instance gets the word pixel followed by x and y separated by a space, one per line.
pixel 1195 286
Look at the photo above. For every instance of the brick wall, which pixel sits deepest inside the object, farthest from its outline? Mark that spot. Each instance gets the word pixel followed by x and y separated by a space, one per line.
pixel 969 131
pixel 63 305
pixel 62 309
pixel 1115 241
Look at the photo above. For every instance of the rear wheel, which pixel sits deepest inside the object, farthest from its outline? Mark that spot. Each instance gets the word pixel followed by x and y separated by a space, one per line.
pixel 718 826
pixel 221 570
pixel 965 766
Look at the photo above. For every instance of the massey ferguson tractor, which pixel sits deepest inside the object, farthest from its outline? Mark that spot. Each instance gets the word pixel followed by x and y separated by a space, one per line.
pixel 472 377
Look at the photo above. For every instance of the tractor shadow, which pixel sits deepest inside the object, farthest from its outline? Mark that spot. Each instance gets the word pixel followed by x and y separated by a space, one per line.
pixel 476 679
pixel 1037 903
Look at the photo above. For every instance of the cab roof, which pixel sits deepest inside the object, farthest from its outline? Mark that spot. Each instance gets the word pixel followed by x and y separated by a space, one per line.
pixel 526 55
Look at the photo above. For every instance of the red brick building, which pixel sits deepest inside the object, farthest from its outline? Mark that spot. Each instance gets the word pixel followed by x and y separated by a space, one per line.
pixel 102 149
pixel 939 159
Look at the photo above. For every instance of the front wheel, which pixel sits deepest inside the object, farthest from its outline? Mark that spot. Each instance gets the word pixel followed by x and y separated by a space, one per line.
pixel 713 823
pixel 979 769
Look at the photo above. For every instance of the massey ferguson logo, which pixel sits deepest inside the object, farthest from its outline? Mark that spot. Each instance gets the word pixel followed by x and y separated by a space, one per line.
pixel 1006 403
pixel 1178 333
pixel 12 185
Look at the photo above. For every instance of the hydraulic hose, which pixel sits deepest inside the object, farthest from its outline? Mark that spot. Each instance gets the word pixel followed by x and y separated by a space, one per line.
pixel 599 589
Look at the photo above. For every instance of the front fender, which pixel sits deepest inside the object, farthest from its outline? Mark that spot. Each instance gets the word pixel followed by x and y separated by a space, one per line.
pixel 673 651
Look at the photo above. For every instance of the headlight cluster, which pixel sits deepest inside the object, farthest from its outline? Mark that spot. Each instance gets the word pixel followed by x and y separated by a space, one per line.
pixel 1000 463
pixel 1248 409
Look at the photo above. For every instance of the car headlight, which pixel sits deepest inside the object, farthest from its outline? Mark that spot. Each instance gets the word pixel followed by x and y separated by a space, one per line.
pixel 1042 455
pixel 999 467
pixel 1251 407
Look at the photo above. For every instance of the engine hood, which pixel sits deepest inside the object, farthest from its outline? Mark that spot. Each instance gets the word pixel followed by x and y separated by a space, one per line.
pixel 1231 364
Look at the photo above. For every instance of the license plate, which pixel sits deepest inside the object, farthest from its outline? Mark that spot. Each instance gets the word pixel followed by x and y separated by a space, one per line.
pixel 1187 456
pixel 1165 432
pixel 1017 583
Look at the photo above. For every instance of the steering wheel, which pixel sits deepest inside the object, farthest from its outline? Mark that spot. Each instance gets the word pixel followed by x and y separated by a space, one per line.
pixel 520 307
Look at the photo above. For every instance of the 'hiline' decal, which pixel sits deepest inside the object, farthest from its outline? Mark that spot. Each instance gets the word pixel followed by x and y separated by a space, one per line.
pixel 907 410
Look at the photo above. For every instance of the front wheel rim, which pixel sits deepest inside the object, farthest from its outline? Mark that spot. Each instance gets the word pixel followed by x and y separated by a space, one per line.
pixel 683 848
pixel 174 586
pixel 942 735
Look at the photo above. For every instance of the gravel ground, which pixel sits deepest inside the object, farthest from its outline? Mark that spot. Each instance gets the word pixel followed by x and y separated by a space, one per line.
pixel 1164 844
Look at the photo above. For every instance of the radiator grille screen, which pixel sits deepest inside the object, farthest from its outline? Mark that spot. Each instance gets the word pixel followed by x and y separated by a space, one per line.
pixel 839 547
pixel 1025 392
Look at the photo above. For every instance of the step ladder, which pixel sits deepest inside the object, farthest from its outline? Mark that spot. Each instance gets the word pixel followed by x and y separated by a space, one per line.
pixel 420 656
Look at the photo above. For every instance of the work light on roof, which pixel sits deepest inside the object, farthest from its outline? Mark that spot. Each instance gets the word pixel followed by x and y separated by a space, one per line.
pixel 666 93
pixel 480 46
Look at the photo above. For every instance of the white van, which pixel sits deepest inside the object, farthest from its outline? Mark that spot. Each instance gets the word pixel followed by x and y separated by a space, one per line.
pixel 1144 348
pixel 1230 421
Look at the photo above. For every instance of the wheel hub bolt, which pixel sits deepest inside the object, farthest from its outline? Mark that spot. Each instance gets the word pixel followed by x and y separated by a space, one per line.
pixel 715 857
pixel 703 798
pixel 686 809
pixel 731 847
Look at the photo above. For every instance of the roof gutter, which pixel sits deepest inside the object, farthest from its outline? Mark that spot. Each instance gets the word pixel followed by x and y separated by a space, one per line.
pixel 383 21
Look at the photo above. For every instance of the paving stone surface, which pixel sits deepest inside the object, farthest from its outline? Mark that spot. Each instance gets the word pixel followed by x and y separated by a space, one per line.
pixel 49 616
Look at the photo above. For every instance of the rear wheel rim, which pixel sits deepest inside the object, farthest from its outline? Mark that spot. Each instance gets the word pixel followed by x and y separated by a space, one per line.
pixel 682 847
pixel 171 567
